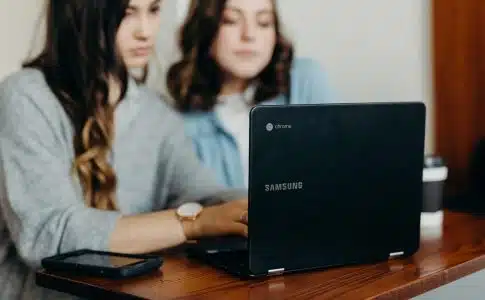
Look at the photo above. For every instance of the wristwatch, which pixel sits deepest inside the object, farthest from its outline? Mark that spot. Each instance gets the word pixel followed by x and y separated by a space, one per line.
pixel 189 211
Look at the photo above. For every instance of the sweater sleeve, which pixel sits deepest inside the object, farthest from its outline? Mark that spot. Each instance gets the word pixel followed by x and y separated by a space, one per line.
pixel 189 180
pixel 40 201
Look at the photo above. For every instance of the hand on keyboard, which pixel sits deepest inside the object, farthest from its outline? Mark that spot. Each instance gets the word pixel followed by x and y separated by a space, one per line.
pixel 225 219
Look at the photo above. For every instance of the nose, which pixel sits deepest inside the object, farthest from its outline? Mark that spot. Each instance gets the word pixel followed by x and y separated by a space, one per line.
pixel 248 32
pixel 143 28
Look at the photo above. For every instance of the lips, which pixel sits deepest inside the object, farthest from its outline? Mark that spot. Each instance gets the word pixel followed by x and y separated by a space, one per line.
pixel 141 51
pixel 246 53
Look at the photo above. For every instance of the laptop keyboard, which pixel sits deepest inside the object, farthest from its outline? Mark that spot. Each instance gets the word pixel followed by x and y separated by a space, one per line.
pixel 231 260
pixel 220 244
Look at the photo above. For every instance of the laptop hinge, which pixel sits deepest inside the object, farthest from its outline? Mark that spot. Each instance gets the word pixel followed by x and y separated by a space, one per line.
pixel 274 272
pixel 396 254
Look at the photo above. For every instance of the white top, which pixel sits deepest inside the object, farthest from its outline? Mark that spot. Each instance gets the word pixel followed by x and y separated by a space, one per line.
pixel 233 111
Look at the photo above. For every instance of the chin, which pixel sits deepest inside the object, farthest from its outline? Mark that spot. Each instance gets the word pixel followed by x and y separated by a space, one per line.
pixel 247 70
pixel 136 62
pixel 246 73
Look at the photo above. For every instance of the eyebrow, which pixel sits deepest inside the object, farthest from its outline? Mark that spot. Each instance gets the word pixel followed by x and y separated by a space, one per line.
pixel 151 4
pixel 259 12
pixel 155 2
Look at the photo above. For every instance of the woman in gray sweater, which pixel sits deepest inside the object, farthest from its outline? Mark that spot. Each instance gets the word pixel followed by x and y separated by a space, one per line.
pixel 89 159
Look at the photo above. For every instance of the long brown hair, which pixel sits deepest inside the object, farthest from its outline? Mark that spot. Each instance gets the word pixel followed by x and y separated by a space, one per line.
pixel 195 81
pixel 78 60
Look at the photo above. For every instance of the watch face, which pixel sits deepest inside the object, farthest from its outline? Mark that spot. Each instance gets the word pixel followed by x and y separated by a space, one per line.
pixel 189 209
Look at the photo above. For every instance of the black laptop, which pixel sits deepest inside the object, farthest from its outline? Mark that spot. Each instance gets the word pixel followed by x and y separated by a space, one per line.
pixel 329 185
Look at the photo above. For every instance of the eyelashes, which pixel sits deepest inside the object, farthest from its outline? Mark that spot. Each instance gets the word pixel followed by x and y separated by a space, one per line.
pixel 234 21
pixel 153 10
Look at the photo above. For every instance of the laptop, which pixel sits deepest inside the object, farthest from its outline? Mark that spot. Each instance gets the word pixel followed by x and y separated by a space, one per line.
pixel 329 185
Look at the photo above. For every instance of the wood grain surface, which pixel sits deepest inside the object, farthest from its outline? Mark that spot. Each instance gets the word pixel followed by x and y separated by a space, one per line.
pixel 458 251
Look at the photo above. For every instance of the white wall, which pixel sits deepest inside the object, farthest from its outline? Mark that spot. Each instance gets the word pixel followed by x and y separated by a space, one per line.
pixel 373 50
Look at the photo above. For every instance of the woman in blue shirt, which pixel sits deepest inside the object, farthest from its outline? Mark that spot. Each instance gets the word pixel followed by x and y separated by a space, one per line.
pixel 234 56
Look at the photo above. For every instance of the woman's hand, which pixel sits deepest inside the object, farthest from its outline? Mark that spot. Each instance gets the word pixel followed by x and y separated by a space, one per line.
pixel 230 218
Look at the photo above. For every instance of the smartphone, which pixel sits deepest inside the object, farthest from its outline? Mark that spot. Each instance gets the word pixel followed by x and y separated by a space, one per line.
pixel 102 264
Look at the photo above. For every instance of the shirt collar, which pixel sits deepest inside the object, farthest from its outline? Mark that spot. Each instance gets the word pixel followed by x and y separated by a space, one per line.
pixel 247 95
pixel 129 107
pixel 132 89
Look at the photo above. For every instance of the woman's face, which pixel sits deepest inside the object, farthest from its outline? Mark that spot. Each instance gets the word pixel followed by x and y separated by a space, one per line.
pixel 246 39
pixel 137 33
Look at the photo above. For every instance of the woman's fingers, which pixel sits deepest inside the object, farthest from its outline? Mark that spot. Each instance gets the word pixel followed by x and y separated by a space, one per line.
pixel 238 229
pixel 244 217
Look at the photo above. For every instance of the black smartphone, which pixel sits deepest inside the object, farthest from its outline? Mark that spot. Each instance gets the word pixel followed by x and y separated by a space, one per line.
pixel 102 264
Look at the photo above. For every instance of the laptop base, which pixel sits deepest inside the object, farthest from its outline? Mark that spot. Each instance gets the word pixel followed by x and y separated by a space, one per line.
pixel 235 263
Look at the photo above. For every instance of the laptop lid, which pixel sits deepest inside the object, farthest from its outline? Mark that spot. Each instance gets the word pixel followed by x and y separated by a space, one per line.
pixel 334 184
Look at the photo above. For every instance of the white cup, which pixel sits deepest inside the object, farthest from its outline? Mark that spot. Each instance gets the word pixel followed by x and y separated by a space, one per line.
pixel 435 174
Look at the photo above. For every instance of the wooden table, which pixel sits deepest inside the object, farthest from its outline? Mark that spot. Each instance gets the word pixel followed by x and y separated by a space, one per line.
pixel 459 251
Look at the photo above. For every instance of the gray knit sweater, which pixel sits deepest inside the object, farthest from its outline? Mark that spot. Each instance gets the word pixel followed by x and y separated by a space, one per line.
pixel 42 211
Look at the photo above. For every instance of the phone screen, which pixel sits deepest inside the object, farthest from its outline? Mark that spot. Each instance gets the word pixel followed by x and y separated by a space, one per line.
pixel 100 260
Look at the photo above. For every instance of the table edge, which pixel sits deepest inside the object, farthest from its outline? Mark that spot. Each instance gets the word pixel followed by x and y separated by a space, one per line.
pixel 411 289
pixel 73 288
pixel 441 278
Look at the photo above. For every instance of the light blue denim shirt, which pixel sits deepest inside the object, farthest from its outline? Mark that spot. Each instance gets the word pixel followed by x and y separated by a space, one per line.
pixel 218 149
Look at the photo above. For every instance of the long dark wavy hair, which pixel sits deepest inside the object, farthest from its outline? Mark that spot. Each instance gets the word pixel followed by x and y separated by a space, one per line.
pixel 195 81
pixel 78 60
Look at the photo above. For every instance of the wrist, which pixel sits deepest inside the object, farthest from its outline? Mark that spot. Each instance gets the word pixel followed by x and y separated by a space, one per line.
pixel 188 215
pixel 189 228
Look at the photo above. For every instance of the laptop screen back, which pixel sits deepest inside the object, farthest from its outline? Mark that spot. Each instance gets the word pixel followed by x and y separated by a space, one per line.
pixel 334 184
